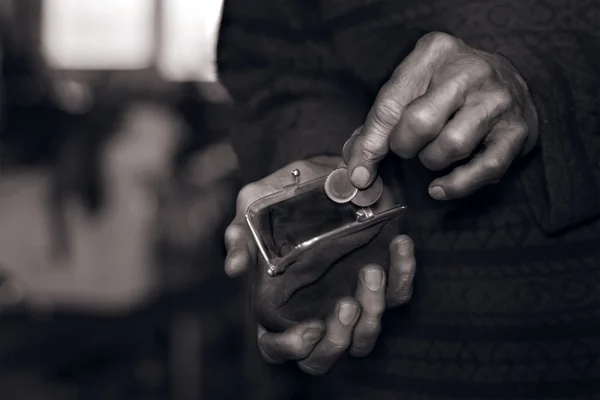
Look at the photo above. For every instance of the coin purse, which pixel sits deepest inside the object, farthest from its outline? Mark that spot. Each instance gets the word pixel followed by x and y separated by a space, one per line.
pixel 312 249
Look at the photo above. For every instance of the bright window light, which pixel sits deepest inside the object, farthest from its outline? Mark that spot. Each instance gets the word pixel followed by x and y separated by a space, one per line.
pixel 98 34
pixel 189 39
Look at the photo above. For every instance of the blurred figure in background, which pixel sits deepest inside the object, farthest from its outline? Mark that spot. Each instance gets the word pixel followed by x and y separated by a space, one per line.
pixel 116 186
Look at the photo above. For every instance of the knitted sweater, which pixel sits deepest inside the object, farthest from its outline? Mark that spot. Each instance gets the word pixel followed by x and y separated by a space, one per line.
pixel 507 293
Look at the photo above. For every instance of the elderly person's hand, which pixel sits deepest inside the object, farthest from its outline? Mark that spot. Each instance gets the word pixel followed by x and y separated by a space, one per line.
pixel 446 103
pixel 355 324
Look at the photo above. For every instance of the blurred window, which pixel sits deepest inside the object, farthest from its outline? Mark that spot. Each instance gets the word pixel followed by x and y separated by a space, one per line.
pixel 180 41
pixel 98 35
pixel 189 39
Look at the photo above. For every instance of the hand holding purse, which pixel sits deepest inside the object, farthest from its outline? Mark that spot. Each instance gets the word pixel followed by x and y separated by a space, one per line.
pixel 311 248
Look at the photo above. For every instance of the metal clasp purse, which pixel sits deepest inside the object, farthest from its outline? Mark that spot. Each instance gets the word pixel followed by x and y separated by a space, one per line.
pixel 312 248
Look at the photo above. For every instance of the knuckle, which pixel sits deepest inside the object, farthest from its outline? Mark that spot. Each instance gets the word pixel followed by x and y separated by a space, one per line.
pixel 463 82
pixel 479 69
pixel 455 143
pixel 373 313
pixel 486 70
pixel 387 112
pixel 246 191
pixel 371 325
pixel 337 344
pixel 431 162
pixel 409 267
pixel 439 41
pixel 298 349
pixel 458 87
pixel 494 165
pixel 503 99
pixel 419 118
pixel 244 195
pixel 521 129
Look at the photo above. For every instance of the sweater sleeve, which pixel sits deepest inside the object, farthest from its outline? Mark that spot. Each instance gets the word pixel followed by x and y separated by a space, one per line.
pixel 293 100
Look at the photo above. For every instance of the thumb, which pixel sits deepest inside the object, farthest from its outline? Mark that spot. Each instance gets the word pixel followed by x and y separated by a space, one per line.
pixel 367 147
pixel 371 144
pixel 409 81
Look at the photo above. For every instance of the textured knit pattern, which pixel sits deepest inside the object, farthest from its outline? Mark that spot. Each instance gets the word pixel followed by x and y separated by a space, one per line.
pixel 507 297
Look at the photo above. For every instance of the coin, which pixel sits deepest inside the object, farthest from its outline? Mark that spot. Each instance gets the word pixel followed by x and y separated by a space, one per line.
pixel 370 195
pixel 338 187
pixel 346 149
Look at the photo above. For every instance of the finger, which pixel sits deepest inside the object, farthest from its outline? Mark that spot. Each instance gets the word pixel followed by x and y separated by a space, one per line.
pixel 371 145
pixel 337 339
pixel 465 132
pixel 424 118
pixel 370 293
pixel 402 271
pixel 505 144
pixel 293 344
pixel 241 249
pixel 409 81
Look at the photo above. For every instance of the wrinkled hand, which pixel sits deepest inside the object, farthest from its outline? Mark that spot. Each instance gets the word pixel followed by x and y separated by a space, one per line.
pixel 355 324
pixel 448 102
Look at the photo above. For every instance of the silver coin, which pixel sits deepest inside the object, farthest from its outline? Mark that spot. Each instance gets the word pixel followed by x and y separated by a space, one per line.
pixel 338 187
pixel 370 195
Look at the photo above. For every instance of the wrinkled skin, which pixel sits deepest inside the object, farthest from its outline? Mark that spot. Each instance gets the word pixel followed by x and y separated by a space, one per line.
pixel 448 103
pixel 355 323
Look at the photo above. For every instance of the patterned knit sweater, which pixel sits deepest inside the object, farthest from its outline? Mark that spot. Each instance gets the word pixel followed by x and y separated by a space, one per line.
pixel 507 296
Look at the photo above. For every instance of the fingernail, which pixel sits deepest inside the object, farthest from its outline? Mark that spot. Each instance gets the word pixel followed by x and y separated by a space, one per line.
pixel 312 335
pixel 373 279
pixel 347 313
pixel 437 192
pixel 360 176
pixel 405 247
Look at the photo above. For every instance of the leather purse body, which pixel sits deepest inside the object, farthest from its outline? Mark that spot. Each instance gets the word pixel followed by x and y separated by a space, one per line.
pixel 312 249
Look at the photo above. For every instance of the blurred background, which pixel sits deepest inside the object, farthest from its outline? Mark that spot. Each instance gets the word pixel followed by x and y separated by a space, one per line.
pixel 116 184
